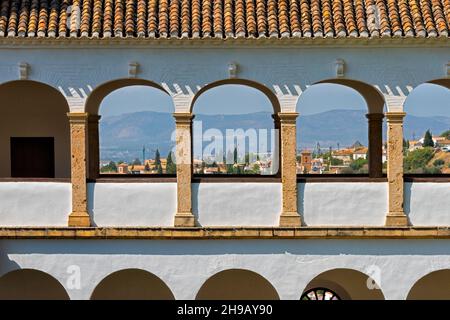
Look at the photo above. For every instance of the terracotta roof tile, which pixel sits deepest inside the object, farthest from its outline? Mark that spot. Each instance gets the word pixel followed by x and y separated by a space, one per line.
pixel 405 17
pixel 218 18
pixel 196 16
pixel 163 18
pixel 152 18
pixel 85 18
pixel 62 21
pixel 228 18
pixel 207 20
pixel 174 17
pixel 261 18
pixel 283 18
pixel 23 18
pixel 225 18
pixel 394 17
pixel 251 25
pixel 97 18
pixel 108 18
pixel 239 18
pixel 305 18
pixel 185 18
pixel 272 18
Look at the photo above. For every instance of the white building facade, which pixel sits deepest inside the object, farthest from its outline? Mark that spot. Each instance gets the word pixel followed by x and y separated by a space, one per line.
pixel 83 236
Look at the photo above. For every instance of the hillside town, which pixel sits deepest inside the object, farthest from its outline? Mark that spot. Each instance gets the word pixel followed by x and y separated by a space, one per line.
pixel 428 155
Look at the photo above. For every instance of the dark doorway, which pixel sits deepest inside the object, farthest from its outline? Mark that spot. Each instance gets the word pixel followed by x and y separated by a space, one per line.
pixel 32 157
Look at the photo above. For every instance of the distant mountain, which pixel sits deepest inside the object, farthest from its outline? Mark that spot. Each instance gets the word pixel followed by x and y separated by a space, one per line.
pixel 122 137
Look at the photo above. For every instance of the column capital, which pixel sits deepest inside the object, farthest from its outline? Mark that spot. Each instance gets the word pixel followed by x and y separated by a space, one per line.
pixel 183 117
pixel 375 116
pixel 286 117
pixel 78 117
pixel 395 117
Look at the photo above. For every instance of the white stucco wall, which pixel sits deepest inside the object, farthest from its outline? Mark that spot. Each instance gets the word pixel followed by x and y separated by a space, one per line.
pixel 428 204
pixel 343 203
pixel 183 69
pixel 184 265
pixel 35 203
pixel 132 204
pixel 237 204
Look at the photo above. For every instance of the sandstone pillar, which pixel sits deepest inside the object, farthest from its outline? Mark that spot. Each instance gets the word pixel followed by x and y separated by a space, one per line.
pixel 289 215
pixel 184 216
pixel 94 146
pixel 396 215
pixel 79 217
pixel 375 144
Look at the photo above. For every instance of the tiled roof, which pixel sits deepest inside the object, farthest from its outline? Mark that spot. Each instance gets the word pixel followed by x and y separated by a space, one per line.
pixel 225 18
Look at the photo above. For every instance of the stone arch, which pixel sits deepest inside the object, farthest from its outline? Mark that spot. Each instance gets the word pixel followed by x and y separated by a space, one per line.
pixel 95 98
pixel 32 109
pixel 92 107
pixel 433 286
pixel 237 284
pixel 444 82
pixel 31 284
pixel 349 284
pixel 375 105
pixel 249 83
pixel 272 99
pixel 132 284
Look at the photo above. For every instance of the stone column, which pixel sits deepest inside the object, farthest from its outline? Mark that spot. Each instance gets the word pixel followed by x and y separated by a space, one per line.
pixel 375 144
pixel 79 216
pixel 396 215
pixel 289 215
pixel 94 146
pixel 184 216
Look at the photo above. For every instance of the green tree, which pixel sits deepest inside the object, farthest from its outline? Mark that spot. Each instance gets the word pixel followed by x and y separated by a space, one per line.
pixel 136 162
pixel 438 163
pixel 418 159
pixel 158 166
pixel 110 167
pixel 446 134
pixel 405 144
pixel 428 139
pixel 357 164
pixel 336 161
pixel 171 167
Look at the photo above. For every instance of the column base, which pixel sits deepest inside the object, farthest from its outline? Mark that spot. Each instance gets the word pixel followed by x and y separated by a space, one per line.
pixel 290 219
pixel 79 219
pixel 396 219
pixel 184 220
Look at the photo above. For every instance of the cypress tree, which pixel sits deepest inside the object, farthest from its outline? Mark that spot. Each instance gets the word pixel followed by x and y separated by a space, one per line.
pixel 428 139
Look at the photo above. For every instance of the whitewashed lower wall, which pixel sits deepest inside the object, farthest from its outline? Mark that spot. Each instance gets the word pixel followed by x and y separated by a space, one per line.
pixel 343 203
pixel 428 204
pixel 237 204
pixel 184 265
pixel 132 204
pixel 35 203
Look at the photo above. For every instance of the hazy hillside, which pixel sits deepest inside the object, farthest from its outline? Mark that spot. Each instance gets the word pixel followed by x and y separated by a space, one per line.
pixel 122 137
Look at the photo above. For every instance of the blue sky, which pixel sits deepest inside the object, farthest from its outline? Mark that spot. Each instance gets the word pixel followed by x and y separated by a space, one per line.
pixel 425 100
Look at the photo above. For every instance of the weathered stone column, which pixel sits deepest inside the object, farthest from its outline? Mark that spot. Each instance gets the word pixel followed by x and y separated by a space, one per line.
pixel 396 215
pixel 79 216
pixel 94 146
pixel 375 144
pixel 184 216
pixel 289 214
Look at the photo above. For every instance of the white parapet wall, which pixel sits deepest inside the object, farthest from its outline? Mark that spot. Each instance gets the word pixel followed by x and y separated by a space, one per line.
pixel 35 203
pixel 237 204
pixel 132 204
pixel 428 204
pixel 343 203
